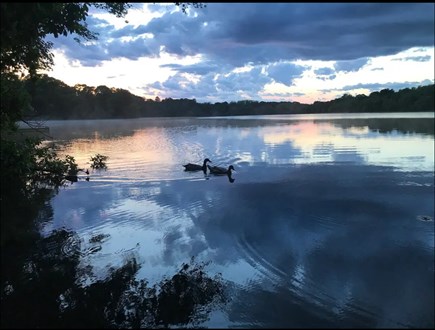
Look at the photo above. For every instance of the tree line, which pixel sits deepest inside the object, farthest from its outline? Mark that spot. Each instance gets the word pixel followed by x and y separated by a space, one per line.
pixel 53 99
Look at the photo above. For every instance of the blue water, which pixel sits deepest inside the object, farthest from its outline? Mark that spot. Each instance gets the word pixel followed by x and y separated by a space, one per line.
pixel 327 223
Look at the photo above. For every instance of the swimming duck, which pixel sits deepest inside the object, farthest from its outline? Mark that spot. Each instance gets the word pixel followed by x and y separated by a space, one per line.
pixel 221 170
pixel 196 167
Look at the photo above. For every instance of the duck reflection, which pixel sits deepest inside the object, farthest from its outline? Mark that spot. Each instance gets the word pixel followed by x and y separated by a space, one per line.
pixel 217 170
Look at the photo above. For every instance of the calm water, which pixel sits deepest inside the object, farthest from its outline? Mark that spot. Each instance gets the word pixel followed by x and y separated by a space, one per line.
pixel 328 223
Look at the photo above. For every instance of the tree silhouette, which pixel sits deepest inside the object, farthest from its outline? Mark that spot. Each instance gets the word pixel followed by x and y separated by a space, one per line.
pixel 49 291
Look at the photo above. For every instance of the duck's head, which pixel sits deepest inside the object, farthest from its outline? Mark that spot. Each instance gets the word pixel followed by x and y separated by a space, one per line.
pixel 207 161
pixel 231 168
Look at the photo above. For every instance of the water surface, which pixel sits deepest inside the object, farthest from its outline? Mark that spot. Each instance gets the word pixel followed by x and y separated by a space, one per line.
pixel 328 222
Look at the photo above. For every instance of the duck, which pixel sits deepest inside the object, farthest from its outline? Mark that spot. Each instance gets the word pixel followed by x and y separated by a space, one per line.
pixel 195 167
pixel 217 170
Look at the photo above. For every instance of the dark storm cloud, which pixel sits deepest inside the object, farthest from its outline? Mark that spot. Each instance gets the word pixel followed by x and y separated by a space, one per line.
pixel 323 31
pixel 241 33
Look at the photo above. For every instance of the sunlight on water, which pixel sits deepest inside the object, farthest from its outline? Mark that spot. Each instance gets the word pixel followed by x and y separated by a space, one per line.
pixel 328 220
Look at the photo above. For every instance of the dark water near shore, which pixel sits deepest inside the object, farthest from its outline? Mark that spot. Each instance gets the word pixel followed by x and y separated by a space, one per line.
pixel 328 222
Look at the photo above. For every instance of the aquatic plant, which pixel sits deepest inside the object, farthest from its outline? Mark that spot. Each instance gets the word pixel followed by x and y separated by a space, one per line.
pixel 99 162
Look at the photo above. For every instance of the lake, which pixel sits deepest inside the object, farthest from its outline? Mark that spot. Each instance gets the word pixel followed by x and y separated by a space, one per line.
pixel 327 221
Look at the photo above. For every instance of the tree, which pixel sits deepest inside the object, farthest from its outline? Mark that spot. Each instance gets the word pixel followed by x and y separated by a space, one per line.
pixel 24 49
pixel 185 5
pixel 27 168
pixel 25 25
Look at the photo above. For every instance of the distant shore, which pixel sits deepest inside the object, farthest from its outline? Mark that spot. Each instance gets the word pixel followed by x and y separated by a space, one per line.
pixel 52 99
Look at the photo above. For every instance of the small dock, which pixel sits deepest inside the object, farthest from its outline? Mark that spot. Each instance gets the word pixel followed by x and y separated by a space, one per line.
pixel 42 132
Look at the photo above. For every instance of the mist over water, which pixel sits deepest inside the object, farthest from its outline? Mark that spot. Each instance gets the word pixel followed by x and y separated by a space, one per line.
pixel 328 221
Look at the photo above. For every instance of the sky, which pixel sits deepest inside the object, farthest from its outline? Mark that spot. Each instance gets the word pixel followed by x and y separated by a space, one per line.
pixel 226 52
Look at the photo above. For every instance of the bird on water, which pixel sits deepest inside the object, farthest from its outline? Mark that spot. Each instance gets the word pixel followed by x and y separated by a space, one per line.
pixel 195 167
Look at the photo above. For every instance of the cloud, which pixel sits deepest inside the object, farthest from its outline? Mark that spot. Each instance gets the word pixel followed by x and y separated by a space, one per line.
pixel 131 50
pixel 201 69
pixel 415 58
pixel 233 87
pixel 324 71
pixel 323 31
pixel 275 40
pixel 390 85
pixel 241 33
pixel 349 66
pixel 252 80
pixel 284 72
pixel 86 53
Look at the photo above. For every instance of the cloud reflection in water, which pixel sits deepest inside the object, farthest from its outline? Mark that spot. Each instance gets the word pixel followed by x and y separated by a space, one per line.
pixel 321 219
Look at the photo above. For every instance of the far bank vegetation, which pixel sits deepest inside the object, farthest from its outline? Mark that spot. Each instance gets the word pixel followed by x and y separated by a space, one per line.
pixel 53 99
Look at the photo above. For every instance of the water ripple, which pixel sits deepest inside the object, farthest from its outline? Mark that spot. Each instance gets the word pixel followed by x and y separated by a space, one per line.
pixel 255 259
pixel 71 245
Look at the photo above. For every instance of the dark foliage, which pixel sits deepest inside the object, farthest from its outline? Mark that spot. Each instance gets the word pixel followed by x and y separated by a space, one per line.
pixel 55 100
pixel 49 291
pixel 24 26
